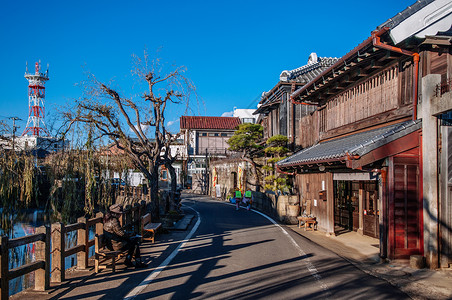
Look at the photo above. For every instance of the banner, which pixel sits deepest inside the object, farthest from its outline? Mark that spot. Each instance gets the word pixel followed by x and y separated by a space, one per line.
pixel 240 178
pixel 214 177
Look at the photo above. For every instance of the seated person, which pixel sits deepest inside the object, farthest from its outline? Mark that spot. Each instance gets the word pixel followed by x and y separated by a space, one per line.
pixel 117 239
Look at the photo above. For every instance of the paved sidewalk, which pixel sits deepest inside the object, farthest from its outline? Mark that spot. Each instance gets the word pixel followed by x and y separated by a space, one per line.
pixel 363 252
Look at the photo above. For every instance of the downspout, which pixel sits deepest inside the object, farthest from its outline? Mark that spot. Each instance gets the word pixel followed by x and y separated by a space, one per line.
pixel 377 43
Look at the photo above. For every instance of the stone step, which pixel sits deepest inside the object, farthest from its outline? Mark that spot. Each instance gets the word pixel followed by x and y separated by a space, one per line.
pixel 183 223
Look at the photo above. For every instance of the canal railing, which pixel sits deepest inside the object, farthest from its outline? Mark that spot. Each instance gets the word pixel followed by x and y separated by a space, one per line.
pixel 41 265
pixel 51 252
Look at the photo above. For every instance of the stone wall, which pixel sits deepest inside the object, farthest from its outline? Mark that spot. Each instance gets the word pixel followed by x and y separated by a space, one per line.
pixel 284 208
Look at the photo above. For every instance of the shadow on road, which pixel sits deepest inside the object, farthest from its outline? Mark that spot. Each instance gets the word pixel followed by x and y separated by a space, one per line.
pixel 201 263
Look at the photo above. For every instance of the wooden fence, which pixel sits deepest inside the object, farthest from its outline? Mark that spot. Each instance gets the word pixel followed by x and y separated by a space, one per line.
pixel 50 248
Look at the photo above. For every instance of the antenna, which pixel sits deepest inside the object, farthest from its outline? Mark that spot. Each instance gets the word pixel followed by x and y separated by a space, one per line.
pixel 36 108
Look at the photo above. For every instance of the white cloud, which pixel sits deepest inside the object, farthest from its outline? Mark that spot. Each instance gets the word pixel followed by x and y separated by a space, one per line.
pixel 171 123
pixel 228 114
pixel 143 127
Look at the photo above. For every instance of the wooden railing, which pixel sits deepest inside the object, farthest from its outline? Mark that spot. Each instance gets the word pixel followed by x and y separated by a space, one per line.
pixel 41 265
pixel 51 249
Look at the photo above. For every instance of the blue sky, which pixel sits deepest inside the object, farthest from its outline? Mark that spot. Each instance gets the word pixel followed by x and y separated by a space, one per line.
pixel 233 50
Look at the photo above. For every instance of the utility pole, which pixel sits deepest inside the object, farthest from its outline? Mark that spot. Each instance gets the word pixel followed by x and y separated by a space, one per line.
pixel 14 129
pixel 207 181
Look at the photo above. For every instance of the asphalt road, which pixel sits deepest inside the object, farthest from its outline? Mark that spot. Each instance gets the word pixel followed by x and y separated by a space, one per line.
pixel 244 255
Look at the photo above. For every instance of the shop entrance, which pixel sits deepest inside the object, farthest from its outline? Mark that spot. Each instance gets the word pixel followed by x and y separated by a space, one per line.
pixel 345 203
pixel 347 195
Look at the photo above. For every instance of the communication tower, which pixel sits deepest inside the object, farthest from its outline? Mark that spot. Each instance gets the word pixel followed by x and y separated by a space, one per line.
pixel 36 108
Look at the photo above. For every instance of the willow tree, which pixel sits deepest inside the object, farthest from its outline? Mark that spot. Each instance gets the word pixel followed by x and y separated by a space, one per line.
pixel 137 125
pixel 18 186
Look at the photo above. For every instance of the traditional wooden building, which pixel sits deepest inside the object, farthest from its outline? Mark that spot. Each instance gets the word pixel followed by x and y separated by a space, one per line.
pixel 278 115
pixel 363 160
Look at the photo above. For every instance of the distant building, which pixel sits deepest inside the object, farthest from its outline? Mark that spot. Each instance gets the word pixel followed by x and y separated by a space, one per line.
pixel 245 115
pixel 49 144
pixel 133 177
pixel 38 145
pixel 205 138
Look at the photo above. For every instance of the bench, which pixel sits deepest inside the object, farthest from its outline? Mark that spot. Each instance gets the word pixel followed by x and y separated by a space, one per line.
pixel 148 229
pixel 103 254
pixel 310 225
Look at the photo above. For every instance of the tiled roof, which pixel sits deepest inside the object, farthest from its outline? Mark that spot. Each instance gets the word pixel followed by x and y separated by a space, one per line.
pixel 301 75
pixel 355 144
pixel 311 70
pixel 403 15
pixel 197 122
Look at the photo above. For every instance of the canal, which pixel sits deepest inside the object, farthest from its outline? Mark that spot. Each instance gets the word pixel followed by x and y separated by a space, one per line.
pixel 25 224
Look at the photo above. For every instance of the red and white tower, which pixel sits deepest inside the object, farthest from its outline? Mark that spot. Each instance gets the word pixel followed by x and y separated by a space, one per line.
pixel 36 109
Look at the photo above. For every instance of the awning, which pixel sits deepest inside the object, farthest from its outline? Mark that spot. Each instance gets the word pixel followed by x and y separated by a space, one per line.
pixel 361 148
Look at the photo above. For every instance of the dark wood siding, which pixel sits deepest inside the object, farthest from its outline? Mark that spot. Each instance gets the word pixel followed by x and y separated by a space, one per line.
pixel 366 99
pixel 309 187
pixel 439 65
pixel 406 83
pixel 309 130
pixel 406 211
pixel 283 118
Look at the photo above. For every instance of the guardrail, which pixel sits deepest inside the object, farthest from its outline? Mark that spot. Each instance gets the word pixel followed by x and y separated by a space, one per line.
pixel 50 248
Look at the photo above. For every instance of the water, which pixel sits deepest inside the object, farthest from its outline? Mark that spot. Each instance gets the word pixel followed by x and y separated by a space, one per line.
pixel 26 254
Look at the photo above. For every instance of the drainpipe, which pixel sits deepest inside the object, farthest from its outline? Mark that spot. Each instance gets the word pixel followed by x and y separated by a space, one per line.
pixel 377 43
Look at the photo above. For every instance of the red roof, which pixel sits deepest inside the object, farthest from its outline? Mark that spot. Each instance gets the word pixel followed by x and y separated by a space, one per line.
pixel 194 122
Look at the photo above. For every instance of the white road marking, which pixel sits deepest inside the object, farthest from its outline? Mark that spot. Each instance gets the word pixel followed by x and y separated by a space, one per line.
pixel 148 280
pixel 311 268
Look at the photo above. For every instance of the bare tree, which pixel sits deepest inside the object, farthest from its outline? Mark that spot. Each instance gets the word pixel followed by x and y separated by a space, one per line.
pixel 114 116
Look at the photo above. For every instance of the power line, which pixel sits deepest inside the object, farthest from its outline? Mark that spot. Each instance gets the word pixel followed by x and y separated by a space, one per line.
pixel 254 102
pixel 5 117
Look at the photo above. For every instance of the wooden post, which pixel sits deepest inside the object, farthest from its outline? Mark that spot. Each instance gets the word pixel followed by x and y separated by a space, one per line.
pixel 361 208
pixel 330 202
pixel 4 266
pixel 143 208
pixel 127 217
pixel 42 276
pixel 58 245
pixel 100 225
pixel 82 239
